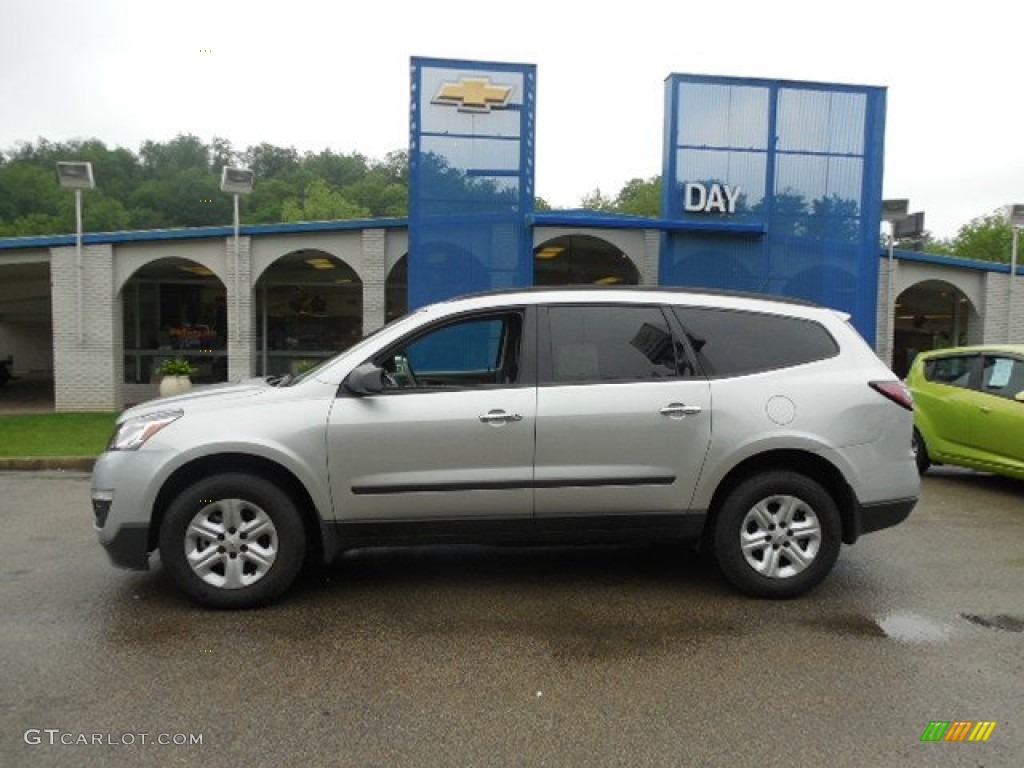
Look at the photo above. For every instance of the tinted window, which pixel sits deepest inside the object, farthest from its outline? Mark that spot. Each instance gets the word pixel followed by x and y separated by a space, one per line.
pixel 1003 376
pixel 606 343
pixel 955 371
pixel 729 342
pixel 465 353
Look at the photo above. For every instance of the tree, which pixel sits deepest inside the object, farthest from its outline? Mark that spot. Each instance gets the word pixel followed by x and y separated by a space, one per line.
pixel 337 170
pixel 985 238
pixel 640 197
pixel 270 162
pixel 596 201
pixel 27 190
pixel 321 203
pixel 181 153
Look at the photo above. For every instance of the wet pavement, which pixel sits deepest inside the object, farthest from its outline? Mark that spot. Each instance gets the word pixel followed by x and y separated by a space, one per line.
pixel 510 657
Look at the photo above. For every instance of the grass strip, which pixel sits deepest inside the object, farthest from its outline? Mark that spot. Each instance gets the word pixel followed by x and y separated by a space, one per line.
pixel 55 434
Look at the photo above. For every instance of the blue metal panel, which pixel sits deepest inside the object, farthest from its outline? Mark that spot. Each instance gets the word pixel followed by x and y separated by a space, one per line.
pixel 807 158
pixel 470 177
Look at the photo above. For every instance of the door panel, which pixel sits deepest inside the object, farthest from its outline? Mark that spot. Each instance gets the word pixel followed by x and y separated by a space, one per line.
pixel 944 404
pixel 430 455
pixel 996 418
pixel 451 436
pixel 609 449
pixel 622 428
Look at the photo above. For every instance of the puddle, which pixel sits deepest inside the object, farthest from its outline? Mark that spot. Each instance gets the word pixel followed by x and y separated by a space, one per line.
pixel 851 625
pixel 913 628
pixel 996 621
pixel 904 626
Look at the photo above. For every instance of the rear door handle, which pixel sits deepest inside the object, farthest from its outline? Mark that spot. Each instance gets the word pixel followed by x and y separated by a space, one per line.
pixel 498 417
pixel 679 410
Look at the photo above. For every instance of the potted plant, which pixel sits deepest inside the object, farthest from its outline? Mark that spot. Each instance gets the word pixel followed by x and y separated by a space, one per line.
pixel 175 376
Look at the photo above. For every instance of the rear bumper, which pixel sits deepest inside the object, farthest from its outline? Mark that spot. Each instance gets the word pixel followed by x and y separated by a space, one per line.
pixel 875 517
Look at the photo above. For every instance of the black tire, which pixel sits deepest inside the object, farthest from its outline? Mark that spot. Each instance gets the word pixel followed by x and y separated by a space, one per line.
pixel 920 453
pixel 232 541
pixel 779 515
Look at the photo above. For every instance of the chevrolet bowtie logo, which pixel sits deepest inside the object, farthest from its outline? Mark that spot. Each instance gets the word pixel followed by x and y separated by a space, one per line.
pixel 473 94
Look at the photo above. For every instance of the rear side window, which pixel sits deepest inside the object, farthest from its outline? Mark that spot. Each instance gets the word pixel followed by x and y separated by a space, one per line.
pixel 611 343
pixel 731 342
pixel 1002 376
pixel 955 371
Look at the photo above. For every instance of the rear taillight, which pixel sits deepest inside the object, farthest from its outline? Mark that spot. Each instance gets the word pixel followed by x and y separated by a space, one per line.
pixel 896 391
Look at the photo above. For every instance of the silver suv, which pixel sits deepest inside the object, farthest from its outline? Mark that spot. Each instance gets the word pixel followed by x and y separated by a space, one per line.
pixel 766 429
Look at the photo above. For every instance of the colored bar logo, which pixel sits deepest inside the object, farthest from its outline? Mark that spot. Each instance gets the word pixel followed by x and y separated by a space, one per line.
pixel 958 730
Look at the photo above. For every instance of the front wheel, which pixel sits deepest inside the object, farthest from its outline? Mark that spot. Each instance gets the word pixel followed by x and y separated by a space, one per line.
pixel 777 535
pixel 232 541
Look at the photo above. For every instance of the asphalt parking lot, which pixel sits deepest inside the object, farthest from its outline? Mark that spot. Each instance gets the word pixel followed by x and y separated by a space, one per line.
pixel 508 657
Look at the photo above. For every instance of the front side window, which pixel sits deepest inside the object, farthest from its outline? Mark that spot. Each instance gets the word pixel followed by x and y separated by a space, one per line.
pixel 954 371
pixel 732 342
pixel 472 352
pixel 1002 376
pixel 611 343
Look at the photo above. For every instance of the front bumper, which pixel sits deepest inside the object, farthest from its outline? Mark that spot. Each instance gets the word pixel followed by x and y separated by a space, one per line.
pixel 123 490
pixel 129 548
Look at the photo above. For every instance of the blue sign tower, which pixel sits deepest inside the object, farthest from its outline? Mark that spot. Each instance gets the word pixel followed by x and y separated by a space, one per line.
pixel 775 186
pixel 471 155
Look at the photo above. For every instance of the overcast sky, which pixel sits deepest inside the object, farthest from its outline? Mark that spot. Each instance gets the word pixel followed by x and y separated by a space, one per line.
pixel 314 74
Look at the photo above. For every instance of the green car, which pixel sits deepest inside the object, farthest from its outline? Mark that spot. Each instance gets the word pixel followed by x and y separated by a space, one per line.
pixel 969 408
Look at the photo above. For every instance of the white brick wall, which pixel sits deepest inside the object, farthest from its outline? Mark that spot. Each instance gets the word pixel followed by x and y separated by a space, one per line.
pixel 649 272
pixel 374 273
pixel 88 367
pixel 994 315
pixel 241 309
pixel 885 315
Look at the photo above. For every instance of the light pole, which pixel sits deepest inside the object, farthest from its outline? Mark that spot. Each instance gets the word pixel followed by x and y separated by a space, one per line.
pixel 1015 218
pixel 236 181
pixel 77 175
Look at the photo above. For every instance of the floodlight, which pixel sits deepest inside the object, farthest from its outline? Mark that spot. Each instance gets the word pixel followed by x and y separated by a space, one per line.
pixel 909 227
pixel 894 210
pixel 1015 215
pixel 237 181
pixel 75 175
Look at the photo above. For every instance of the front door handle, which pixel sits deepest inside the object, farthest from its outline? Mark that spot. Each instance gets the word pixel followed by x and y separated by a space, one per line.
pixel 679 410
pixel 498 417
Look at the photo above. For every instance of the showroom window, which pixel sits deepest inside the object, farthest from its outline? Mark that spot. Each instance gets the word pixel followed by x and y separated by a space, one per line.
pixel 175 308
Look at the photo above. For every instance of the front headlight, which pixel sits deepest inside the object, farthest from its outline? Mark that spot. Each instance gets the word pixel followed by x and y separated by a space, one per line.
pixel 131 434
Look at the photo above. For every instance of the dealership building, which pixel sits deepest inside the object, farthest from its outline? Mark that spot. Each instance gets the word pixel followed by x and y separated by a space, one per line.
pixel 768 186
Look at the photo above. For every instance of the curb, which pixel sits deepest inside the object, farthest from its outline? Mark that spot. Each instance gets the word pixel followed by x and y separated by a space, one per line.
pixel 35 463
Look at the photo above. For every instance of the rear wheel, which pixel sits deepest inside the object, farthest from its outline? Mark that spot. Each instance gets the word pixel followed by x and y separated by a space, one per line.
pixel 920 453
pixel 777 534
pixel 232 541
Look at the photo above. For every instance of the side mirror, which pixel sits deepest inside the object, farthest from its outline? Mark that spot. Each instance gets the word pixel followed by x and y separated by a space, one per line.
pixel 367 379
